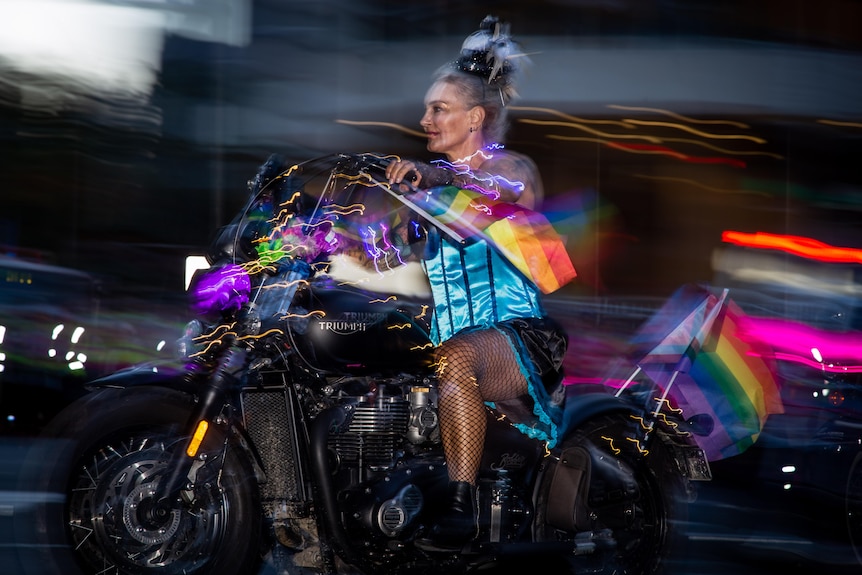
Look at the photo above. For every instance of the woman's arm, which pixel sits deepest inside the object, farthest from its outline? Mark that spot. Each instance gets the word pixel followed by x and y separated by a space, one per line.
pixel 515 176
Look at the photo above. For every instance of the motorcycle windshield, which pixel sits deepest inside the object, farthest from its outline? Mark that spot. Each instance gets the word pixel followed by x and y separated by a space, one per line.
pixel 333 260
pixel 331 214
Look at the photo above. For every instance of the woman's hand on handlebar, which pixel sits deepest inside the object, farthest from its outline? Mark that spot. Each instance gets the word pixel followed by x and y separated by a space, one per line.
pixel 400 170
pixel 407 175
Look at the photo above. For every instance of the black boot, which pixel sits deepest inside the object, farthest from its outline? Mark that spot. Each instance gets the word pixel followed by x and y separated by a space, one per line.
pixel 457 523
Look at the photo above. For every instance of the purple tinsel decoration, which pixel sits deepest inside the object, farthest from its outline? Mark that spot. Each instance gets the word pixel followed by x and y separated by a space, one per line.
pixel 221 289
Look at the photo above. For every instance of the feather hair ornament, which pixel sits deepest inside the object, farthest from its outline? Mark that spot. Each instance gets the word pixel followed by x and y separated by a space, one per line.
pixel 491 54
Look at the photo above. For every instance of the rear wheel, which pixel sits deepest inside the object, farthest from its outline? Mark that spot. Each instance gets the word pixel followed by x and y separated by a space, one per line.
pixel 624 515
pixel 110 523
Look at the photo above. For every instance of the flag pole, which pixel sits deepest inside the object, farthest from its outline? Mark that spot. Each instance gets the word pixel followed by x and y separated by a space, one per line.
pixel 627 382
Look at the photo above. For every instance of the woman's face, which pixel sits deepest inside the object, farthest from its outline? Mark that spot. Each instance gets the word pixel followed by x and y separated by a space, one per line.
pixel 447 121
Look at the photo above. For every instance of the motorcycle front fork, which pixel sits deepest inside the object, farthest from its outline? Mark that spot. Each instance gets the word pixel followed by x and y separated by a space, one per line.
pixel 201 421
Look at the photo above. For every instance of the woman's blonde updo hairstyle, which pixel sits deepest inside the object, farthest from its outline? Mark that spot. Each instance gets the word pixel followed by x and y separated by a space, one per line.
pixel 485 73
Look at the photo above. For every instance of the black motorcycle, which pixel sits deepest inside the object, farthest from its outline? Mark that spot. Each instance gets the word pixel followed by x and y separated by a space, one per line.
pixel 298 433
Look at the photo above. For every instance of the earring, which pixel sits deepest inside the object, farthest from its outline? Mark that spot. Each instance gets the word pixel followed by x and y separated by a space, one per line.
pixel 472 129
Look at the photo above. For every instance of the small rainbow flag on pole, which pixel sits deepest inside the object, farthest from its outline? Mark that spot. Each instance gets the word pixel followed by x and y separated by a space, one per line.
pixel 524 237
pixel 709 364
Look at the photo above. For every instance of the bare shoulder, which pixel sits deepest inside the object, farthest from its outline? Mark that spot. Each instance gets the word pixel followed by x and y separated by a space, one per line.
pixel 510 164
pixel 521 172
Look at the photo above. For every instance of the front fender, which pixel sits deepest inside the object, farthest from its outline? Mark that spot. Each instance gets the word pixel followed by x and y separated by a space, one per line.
pixel 174 377
pixel 164 374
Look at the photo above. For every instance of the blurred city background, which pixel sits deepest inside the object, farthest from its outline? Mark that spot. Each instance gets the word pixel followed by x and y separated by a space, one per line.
pixel 668 133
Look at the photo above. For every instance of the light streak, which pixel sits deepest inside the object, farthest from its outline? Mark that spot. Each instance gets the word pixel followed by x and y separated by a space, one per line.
pixel 642 422
pixel 289 171
pixel 706 145
pixel 700 185
pixel 721 150
pixel 697 132
pixel 677 116
pixel 317 312
pixel 652 139
pixel 610 441
pixel 206 349
pixel 839 123
pixel 369 240
pixel 651 149
pixel 838 351
pixel 224 328
pixel 387 245
pixel 300 224
pixel 797 245
pixel 284 208
pixel 569 117
pixel 344 210
pixel 390 298
pixel 666 404
pixel 292 198
pixel 669 423
pixel 261 335
pixel 465 161
pixel 363 178
pixel 256 267
pixel 637 442
pixel 480 207
pixel 286 284
pixel 76 335
pixel 440 366
pixel 460 169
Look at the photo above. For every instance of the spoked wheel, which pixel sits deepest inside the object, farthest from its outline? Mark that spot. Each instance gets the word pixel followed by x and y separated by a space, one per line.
pixel 113 521
pixel 625 512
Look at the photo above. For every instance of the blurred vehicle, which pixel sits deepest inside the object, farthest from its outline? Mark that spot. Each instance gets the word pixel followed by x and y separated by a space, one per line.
pixel 792 502
pixel 48 344
pixel 56 334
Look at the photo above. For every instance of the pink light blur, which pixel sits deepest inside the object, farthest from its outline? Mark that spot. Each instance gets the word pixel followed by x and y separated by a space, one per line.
pixel 841 352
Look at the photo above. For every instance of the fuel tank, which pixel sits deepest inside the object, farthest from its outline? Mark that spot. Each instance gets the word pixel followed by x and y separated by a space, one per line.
pixel 352 330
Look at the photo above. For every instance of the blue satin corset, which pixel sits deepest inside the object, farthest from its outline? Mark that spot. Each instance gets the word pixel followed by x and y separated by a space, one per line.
pixel 473 285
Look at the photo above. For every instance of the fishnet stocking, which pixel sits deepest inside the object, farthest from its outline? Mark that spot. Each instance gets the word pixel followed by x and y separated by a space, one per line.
pixel 472 368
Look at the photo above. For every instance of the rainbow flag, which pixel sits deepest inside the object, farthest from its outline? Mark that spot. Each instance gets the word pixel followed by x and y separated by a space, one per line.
pixel 722 372
pixel 524 237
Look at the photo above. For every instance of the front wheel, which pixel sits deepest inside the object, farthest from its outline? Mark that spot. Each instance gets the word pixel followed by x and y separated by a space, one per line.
pixel 122 440
pixel 627 498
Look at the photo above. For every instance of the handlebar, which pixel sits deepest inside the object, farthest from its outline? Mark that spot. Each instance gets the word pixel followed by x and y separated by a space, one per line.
pixel 431 176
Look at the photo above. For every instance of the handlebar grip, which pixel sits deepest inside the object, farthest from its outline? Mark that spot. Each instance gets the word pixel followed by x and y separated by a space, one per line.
pixel 432 176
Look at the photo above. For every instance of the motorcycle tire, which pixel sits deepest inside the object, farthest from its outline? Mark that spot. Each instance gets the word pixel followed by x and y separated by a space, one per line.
pixel 111 448
pixel 632 499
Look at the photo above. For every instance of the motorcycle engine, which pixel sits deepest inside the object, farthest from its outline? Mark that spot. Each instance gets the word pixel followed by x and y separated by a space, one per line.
pixel 383 427
pixel 384 459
